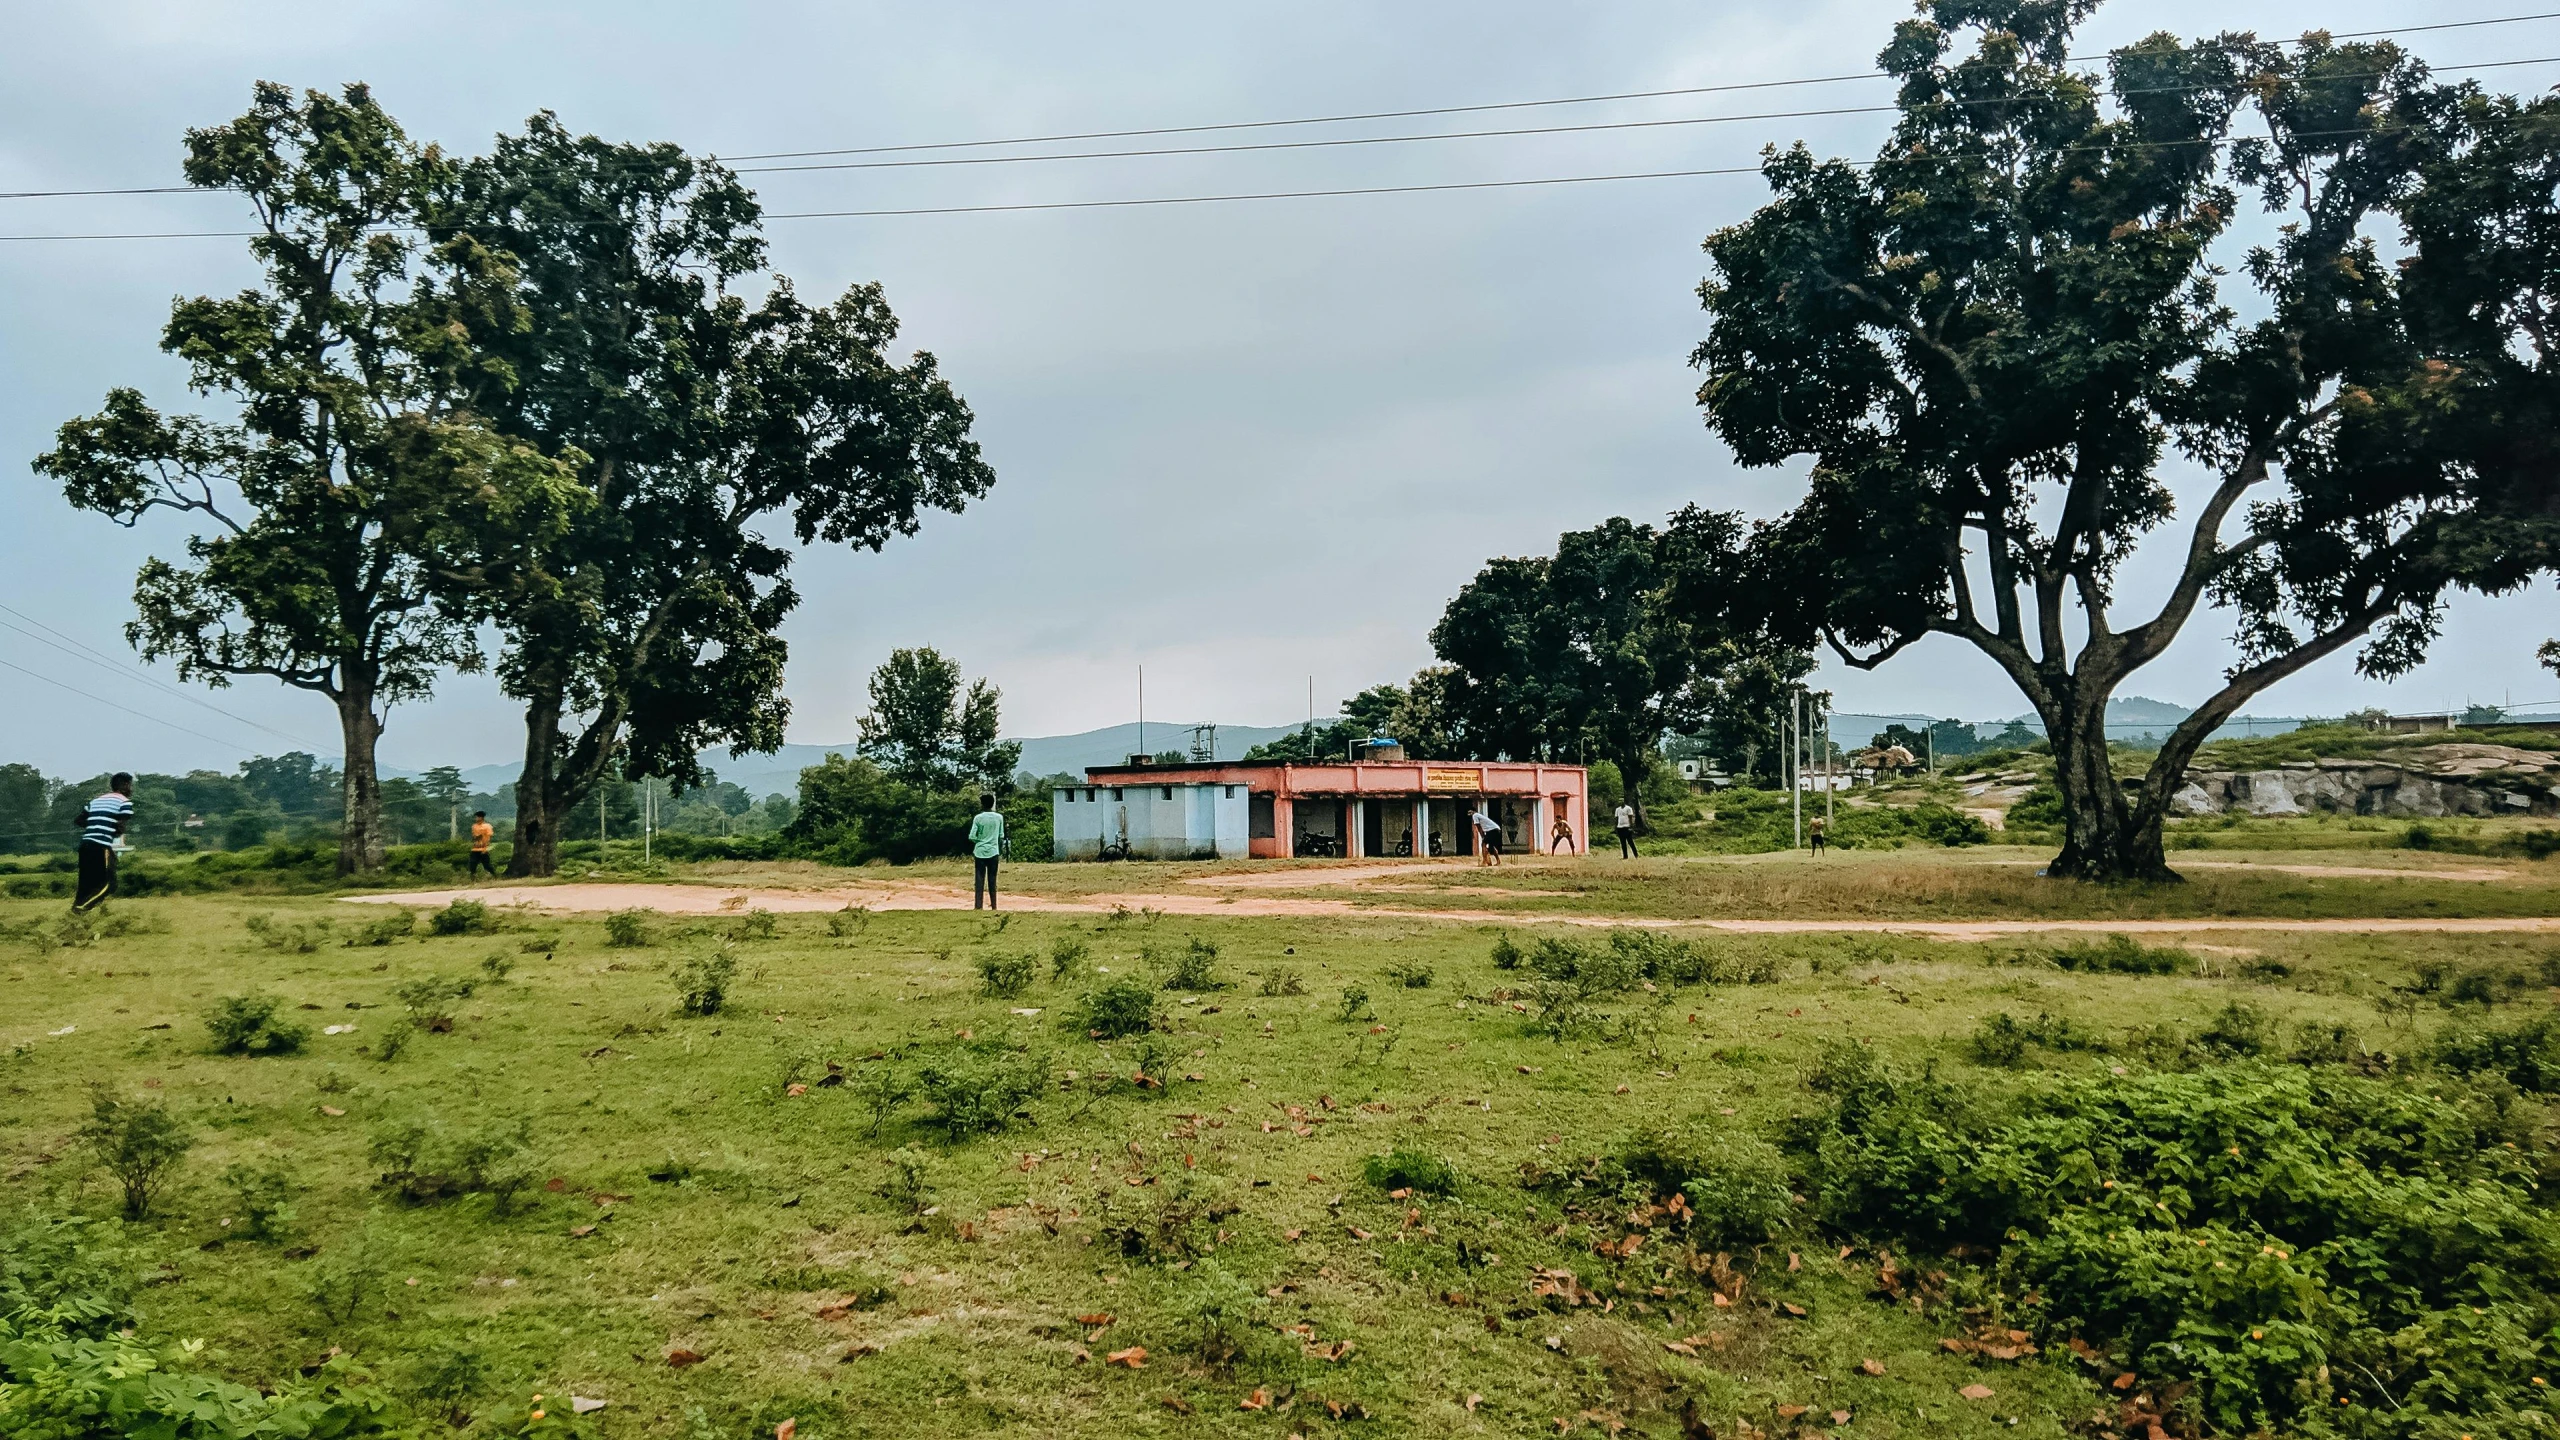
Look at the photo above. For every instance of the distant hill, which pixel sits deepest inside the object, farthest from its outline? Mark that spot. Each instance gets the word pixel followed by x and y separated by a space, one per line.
pixel 779 772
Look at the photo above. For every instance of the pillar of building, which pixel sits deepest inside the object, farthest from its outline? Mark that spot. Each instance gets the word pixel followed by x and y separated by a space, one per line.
pixel 1284 823
pixel 1422 825
pixel 1354 828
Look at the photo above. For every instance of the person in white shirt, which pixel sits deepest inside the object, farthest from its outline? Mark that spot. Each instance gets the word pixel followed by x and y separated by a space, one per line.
pixel 1488 836
pixel 1626 831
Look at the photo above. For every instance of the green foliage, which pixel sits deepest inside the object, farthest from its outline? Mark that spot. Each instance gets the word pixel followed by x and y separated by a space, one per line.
pixel 249 1025
pixel 261 1197
pixel 1218 1313
pixel 2238 1031
pixel 1355 1004
pixel 420 1162
pixel 880 1087
pixel 1194 967
pixel 1281 980
pixel 137 1142
pixel 975 1087
pixel 2525 1055
pixel 1413 976
pixel 1736 1183
pixel 395 924
pixel 907 1185
pixel 850 812
pixel 429 999
pixel 756 924
pixel 924 730
pixel 1506 952
pixel 2309 1249
pixel 1067 957
pixel 298 938
pixel 495 968
pixel 2039 809
pixel 2123 955
pixel 848 921
pixel 463 917
pixel 1404 1168
pixel 1007 975
pixel 1124 1007
pixel 629 929
pixel 702 981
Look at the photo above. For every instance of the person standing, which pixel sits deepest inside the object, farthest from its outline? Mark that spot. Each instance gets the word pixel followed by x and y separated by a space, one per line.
pixel 1813 831
pixel 986 843
pixel 1560 837
pixel 102 825
pixel 1488 835
pixel 482 832
pixel 1626 830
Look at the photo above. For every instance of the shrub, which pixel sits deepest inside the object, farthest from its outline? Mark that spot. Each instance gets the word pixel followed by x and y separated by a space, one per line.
pixel 756 924
pixel 2527 1056
pixel 1999 1041
pixel 393 1044
pixel 628 929
pixel 429 999
pixel 1123 1007
pixel 2238 1030
pixel 1591 969
pixel 1561 1011
pixel 975 1087
pixel 2122 955
pixel 261 1197
pixel 538 945
pixel 1283 981
pixel 1736 1183
pixel 1194 968
pixel 1218 1313
pixel 881 1088
pixel 1412 977
pixel 1506 952
pixel 399 924
pixel 1167 1227
pixel 848 921
pixel 2312 1251
pixel 702 982
pixel 420 1162
pixel 139 1143
pixel 907 1187
pixel 1407 1169
pixel 497 967
pixel 1006 976
pixel 301 938
pixel 1355 1004
pixel 1067 957
pixel 248 1025
pixel 462 917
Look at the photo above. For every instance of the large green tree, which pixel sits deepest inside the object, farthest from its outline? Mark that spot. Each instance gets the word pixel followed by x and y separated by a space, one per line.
pixel 2000 340
pixel 346 444
pixel 925 729
pixel 644 630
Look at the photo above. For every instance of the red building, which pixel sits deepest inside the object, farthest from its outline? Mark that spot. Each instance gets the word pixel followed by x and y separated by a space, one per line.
pixel 1219 809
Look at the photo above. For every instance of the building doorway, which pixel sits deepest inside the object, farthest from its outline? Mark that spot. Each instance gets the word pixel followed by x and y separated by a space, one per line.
pixel 1320 828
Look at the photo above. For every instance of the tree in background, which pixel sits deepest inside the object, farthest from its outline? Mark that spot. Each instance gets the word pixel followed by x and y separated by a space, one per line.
pixel 346 446
pixel 925 730
pixel 445 785
pixel 643 631
pixel 26 800
pixel 1990 340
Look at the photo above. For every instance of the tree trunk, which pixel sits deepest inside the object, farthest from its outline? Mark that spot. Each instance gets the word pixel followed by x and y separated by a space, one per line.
pixel 360 836
pixel 2101 837
pixel 540 808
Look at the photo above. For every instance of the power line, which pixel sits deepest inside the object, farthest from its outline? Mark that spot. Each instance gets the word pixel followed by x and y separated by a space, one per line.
pixel 112 705
pixel 90 654
pixel 1331 120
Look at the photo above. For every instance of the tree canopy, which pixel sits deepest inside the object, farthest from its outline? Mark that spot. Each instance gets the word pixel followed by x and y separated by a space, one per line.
pixel 926 730
pixel 2001 340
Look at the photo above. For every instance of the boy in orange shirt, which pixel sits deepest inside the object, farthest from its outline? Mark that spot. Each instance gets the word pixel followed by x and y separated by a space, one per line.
pixel 482 832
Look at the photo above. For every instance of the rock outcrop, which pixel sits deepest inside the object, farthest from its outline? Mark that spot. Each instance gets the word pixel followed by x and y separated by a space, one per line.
pixel 2421 782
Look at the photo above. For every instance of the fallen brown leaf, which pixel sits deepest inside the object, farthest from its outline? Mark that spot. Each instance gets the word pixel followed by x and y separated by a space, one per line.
pixel 1135 1357
pixel 1871 1366
pixel 1098 1318
pixel 580 1232
pixel 331 1111
pixel 786 1430
pixel 1472 1402
pixel 679 1358
pixel 1789 1412
pixel 1176 1404
pixel 1976 1392
pixel 1795 1262
pixel 1839 1417
pixel 1260 1399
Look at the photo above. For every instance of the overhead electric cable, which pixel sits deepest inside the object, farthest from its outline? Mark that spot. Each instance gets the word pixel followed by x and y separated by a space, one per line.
pixel 78 651
pixel 129 710
pixel 1357 116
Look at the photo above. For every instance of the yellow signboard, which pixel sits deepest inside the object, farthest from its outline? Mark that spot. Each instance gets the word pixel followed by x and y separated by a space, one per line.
pixel 1453 779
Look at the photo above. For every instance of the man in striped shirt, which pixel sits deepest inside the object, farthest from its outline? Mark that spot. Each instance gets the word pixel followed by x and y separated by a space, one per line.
pixel 102 824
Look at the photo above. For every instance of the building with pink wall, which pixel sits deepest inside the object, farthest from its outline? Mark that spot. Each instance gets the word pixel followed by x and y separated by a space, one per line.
pixel 1223 809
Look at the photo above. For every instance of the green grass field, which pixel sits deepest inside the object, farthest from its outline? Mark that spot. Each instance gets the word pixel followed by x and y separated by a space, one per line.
pixel 577 1180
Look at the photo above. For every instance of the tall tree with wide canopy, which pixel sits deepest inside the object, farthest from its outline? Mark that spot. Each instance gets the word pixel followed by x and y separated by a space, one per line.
pixel 349 444
pixel 1994 340
pixel 926 729
pixel 696 416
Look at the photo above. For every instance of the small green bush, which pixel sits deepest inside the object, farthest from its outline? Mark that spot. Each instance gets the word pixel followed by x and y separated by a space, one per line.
pixel 1123 1007
pixel 299 938
pixel 1067 956
pixel 1736 1183
pixel 462 917
pixel 1355 1004
pixel 1218 1314
pixel 702 982
pixel 975 1087
pixel 429 999
pixel 399 924
pixel 139 1143
pixel 1999 1041
pixel 1006 976
pixel 907 1186
pixel 848 921
pixel 1506 952
pixel 538 945
pixel 756 924
pixel 1408 1169
pixel 629 929
pixel 880 1087
pixel 2122 955
pixel 261 1197
pixel 2238 1031
pixel 1194 968
pixel 249 1025
pixel 1416 976
pixel 497 967
pixel 2526 1056
pixel 420 1162
pixel 1283 981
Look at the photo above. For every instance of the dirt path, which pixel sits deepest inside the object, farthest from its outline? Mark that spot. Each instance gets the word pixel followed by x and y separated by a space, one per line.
pixel 592 898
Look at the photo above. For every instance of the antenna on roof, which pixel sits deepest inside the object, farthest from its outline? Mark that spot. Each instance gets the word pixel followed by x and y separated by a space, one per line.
pixel 1142 709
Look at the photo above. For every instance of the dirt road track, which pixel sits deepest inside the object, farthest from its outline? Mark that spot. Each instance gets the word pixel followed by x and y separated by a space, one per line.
pixel 594 898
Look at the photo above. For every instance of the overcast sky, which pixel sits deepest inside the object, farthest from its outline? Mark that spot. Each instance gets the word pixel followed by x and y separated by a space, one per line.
pixel 1240 444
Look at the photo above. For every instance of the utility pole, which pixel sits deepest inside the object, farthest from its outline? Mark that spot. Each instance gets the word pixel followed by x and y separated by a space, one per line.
pixel 1795 766
pixel 1142 710
pixel 1827 782
pixel 648 816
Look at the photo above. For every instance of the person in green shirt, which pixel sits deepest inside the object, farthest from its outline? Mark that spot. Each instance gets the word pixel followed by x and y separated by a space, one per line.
pixel 986 842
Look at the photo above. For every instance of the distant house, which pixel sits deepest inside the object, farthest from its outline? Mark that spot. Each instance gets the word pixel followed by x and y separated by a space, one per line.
pixel 1372 807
